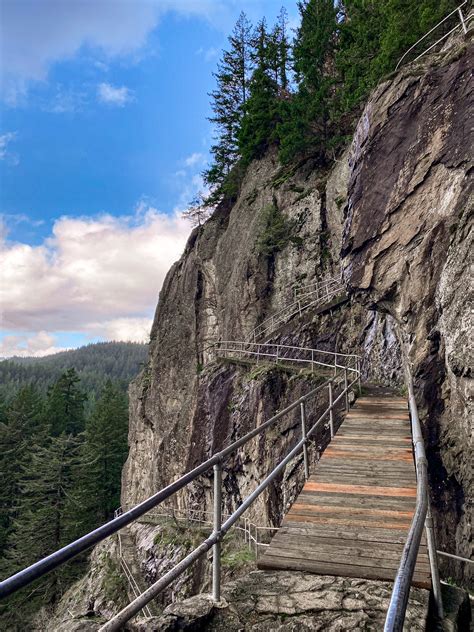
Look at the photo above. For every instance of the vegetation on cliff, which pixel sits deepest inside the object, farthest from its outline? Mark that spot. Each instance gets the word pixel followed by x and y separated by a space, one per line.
pixel 304 95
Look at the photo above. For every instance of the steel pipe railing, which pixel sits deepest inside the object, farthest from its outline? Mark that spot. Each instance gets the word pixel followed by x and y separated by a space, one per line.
pixel 463 22
pixel 306 296
pixel 213 541
pixel 422 517
pixel 56 559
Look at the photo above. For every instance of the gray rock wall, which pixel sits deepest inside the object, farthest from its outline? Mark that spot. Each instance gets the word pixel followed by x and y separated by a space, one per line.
pixel 407 251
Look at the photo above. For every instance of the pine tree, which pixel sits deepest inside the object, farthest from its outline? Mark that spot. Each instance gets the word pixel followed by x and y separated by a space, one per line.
pixel 307 125
pixel 21 429
pixel 45 521
pixel 228 101
pixel 360 32
pixel 65 405
pixel 104 452
pixel 261 109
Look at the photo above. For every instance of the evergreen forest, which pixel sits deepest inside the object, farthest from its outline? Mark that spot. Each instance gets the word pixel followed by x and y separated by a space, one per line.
pixel 63 443
pixel 301 92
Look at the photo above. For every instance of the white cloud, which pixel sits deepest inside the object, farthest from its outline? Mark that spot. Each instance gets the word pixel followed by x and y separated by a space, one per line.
pixel 208 54
pixel 35 34
pixel 194 159
pixel 5 153
pixel 38 345
pixel 107 93
pixel 99 276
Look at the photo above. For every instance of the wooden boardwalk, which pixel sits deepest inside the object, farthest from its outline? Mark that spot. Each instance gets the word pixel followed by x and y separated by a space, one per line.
pixel 353 514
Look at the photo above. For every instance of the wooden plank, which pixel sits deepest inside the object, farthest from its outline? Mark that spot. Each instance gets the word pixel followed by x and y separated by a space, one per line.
pixel 341 570
pixel 350 501
pixel 355 557
pixel 360 489
pixel 318 541
pixel 353 515
pixel 373 534
pixel 347 522
pixel 298 507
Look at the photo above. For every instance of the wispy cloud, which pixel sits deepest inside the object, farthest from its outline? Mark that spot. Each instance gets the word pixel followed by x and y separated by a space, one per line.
pixel 208 54
pixel 117 96
pixel 5 154
pixel 194 159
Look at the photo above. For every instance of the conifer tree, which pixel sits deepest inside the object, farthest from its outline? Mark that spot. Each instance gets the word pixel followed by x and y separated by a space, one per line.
pixel 228 101
pixel 307 123
pixel 64 409
pixel 45 521
pixel 20 430
pixel 104 452
pixel 261 108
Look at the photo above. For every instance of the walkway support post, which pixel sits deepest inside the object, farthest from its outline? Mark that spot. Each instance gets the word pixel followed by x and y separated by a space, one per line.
pixel 346 389
pixel 433 557
pixel 331 412
pixel 216 549
pixel 305 445
pixel 463 23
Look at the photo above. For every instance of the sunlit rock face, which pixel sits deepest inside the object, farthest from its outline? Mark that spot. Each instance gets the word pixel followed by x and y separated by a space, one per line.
pixel 407 251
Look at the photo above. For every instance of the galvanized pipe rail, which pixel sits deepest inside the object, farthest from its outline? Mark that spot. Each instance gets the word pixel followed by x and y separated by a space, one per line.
pixel 463 24
pixel 44 566
pixel 319 294
pixel 220 529
pixel 422 517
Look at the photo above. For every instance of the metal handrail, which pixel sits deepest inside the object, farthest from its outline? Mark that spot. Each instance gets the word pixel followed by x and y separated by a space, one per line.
pixel 462 24
pixel 422 517
pixel 308 299
pixel 129 575
pixel 52 561
pixel 299 290
pixel 221 528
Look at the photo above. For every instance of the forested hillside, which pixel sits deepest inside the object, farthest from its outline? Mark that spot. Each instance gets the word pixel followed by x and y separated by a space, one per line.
pixel 94 363
pixel 63 442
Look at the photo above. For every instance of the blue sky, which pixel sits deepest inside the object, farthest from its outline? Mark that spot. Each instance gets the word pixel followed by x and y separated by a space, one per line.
pixel 103 136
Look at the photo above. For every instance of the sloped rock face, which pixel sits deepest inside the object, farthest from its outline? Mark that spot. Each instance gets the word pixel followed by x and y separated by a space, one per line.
pixel 407 251
pixel 282 601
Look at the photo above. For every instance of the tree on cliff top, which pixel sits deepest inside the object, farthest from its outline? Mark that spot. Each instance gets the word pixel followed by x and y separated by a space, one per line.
pixel 228 101
pixel 306 125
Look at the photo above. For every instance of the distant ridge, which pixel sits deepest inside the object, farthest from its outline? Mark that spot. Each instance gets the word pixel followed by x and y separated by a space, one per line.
pixel 95 364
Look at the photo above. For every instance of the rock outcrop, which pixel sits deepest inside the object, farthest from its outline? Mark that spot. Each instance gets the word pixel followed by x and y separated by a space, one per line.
pixel 407 251
pixel 283 601
pixel 397 203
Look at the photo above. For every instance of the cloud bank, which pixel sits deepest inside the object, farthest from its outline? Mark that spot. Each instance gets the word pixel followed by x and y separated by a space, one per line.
pixel 99 276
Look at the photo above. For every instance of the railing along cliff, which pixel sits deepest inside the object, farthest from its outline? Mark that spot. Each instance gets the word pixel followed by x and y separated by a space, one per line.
pixel 422 518
pixel 345 374
pixel 464 24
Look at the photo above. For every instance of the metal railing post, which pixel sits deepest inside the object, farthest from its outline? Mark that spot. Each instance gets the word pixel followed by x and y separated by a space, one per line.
pixel 433 557
pixel 331 413
pixel 346 389
pixel 463 24
pixel 216 549
pixel 305 445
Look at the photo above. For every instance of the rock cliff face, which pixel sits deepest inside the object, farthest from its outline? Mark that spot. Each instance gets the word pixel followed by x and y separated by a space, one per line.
pixel 396 205
pixel 407 251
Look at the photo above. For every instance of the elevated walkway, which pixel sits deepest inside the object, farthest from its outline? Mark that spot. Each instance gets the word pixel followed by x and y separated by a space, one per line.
pixel 353 515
